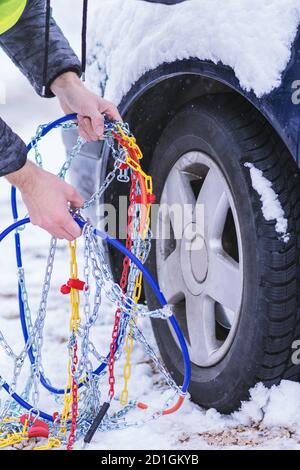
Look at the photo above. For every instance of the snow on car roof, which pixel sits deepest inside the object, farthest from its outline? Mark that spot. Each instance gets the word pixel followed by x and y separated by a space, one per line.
pixel 131 37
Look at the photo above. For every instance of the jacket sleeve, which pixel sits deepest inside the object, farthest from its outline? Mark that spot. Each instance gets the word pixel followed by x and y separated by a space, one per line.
pixel 24 43
pixel 13 151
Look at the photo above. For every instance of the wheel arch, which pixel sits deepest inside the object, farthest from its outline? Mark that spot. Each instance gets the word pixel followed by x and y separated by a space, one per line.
pixel 160 93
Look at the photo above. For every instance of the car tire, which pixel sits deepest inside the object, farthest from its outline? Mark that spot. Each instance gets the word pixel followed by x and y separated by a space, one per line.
pixel 227 132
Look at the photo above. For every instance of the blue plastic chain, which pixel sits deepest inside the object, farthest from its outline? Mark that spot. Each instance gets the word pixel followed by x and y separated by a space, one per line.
pixel 115 243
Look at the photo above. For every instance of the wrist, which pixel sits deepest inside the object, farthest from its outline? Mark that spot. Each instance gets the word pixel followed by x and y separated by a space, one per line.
pixel 24 177
pixel 65 80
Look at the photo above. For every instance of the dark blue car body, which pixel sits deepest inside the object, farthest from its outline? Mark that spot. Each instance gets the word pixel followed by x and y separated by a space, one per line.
pixel 281 107
pixel 159 93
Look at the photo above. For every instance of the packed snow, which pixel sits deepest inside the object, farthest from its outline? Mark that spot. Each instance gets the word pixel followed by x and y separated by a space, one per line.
pixel 270 419
pixel 271 207
pixel 129 38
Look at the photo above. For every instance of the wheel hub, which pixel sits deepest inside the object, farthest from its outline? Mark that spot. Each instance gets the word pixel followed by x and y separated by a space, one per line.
pixel 194 259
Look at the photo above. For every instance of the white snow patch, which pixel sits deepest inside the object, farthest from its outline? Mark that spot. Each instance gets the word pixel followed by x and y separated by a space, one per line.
pixel 284 405
pixel 271 207
pixel 131 37
pixel 252 411
pixel 277 406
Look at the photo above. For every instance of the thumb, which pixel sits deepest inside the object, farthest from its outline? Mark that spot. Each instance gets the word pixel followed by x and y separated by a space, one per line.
pixel 113 113
pixel 74 198
pixel 98 123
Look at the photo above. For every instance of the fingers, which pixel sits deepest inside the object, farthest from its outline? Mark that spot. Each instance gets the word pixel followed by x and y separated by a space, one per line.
pixel 86 129
pixel 91 128
pixel 47 199
pixel 64 228
pixel 74 198
pixel 98 124
pixel 113 113
pixel 61 225
pixel 83 134
pixel 55 230
pixel 109 109
pixel 71 228
pixel 61 234
pixel 91 125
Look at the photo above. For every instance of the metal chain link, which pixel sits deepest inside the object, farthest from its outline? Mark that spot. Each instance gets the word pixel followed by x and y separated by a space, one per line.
pixel 124 296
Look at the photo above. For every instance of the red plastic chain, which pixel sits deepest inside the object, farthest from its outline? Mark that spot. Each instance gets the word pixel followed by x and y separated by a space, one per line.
pixel 123 284
pixel 74 390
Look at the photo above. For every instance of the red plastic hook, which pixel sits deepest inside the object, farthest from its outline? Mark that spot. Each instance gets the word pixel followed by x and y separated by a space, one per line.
pixel 73 284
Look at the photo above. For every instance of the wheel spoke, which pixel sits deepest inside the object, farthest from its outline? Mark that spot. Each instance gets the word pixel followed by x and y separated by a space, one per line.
pixel 224 284
pixel 181 200
pixel 215 202
pixel 170 277
pixel 201 325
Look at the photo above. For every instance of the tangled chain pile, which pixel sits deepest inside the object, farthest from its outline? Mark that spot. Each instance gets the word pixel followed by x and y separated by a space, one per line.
pixel 86 399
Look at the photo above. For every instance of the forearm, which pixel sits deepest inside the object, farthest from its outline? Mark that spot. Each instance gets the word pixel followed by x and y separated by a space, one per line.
pixel 13 151
pixel 64 82
pixel 24 43
pixel 23 178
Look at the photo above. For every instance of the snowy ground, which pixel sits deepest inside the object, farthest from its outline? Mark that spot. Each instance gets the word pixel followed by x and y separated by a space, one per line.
pixel 269 420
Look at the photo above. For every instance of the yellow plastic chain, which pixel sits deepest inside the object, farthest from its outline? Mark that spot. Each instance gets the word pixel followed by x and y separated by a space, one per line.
pixel 74 323
pixel 138 284
pixel 74 294
pixel 22 436
pixel 15 437
pixel 129 345
pixel 131 140
pixel 52 443
pixel 67 403
pixel 12 439
pixel 137 167
pixel 10 419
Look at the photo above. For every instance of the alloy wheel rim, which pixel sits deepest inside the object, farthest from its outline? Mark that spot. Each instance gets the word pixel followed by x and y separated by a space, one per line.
pixel 200 265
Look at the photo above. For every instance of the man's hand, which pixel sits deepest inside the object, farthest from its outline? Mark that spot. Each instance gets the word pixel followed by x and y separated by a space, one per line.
pixel 47 199
pixel 74 97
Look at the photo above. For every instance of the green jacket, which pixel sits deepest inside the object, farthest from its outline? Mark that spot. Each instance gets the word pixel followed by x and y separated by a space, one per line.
pixel 22 37
pixel 10 13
